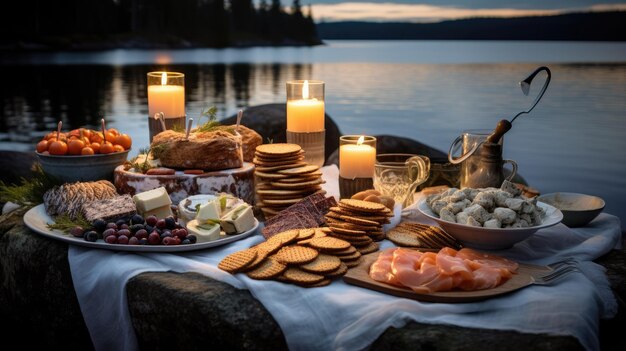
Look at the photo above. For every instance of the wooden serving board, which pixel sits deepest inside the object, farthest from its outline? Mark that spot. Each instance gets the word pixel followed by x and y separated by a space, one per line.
pixel 359 276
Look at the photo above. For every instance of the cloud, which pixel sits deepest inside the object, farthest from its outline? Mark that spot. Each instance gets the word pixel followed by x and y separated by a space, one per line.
pixel 365 11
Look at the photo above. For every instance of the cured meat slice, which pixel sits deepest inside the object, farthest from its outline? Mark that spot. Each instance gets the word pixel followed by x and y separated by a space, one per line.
pixel 380 270
pixel 487 259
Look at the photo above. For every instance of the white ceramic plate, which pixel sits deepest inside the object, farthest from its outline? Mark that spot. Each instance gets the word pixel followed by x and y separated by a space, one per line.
pixel 37 219
pixel 492 238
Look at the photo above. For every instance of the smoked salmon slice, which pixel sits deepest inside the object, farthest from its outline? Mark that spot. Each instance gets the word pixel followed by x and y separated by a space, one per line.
pixel 448 269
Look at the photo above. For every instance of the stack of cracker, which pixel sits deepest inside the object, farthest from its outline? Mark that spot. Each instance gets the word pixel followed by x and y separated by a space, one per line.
pixel 283 178
pixel 359 222
pixel 306 257
pixel 417 235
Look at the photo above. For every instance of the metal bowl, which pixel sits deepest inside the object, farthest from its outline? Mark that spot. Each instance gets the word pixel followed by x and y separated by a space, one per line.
pixel 82 168
pixel 578 209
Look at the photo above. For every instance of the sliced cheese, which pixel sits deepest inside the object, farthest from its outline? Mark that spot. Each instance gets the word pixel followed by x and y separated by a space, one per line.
pixel 209 212
pixel 187 208
pixel 239 220
pixel 151 199
pixel 161 212
pixel 203 232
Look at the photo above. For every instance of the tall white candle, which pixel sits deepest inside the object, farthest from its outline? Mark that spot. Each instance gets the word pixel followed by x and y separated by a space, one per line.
pixel 306 114
pixel 169 99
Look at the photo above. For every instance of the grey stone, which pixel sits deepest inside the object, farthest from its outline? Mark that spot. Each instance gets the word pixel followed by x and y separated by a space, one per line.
pixel 270 121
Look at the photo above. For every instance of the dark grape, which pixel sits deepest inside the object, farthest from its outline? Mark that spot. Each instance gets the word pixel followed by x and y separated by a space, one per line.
pixel 133 241
pixel 124 226
pixel 125 232
pixel 91 236
pixel 149 228
pixel 136 219
pixel 141 234
pixel 161 224
pixel 151 220
pixel 111 239
pixel 186 242
pixel 166 234
pixel 136 227
pixel 143 241
pixel 192 238
pixel 170 222
pixel 154 238
pixel 120 222
pixel 99 225
pixel 111 225
pixel 110 232
pixel 77 232
pixel 122 239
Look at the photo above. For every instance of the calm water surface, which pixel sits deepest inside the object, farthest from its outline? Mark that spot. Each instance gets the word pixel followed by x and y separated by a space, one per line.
pixel 573 141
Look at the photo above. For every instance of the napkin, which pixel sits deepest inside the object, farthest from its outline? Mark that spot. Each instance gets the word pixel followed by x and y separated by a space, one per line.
pixel 345 317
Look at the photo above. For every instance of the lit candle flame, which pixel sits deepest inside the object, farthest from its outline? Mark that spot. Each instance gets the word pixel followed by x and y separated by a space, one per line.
pixel 164 78
pixel 361 140
pixel 305 90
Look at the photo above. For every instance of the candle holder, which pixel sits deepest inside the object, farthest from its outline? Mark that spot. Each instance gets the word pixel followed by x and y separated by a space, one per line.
pixel 357 156
pixel 305 118
pixel 166 101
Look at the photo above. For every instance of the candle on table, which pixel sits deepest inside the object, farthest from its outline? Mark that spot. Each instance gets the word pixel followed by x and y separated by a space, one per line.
pixel 307 113
pixel 357 159
pixel 168 99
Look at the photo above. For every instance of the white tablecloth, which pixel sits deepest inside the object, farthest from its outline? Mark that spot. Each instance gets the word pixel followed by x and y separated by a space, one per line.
pixel 345 317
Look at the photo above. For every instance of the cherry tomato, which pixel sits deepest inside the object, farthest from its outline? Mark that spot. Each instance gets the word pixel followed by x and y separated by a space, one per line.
pixel 124 140
pixel 42 146
pixel 75 146
pixel 57 148
pixel 87 151
pixel 106 148
pixel 95 147
pixel 113 131
pixel 118 148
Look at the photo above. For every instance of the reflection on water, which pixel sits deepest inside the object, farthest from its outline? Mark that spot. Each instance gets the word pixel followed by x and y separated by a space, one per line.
pixel 572 141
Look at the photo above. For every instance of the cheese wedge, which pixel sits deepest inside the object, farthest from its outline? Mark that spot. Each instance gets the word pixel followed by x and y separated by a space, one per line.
pixel 209 211
pixel 160 212
pixel 152 199
pixel 239 220
pixel 203 232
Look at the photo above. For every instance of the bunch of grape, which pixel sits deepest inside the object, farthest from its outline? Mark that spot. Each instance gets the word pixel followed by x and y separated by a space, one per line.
pixel 137 231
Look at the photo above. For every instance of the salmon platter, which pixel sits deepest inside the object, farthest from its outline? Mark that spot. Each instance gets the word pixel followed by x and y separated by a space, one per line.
pixel 446 275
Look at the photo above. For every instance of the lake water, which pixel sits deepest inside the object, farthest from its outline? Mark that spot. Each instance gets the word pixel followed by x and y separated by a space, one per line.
pixel 430 91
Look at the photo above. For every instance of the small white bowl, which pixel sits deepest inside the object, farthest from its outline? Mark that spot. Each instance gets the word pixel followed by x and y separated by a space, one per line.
pixel 578 209
pixel 492 238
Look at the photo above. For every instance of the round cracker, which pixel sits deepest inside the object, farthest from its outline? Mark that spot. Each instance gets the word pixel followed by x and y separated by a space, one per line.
pixel 346 252
pixel 298 276
pixel 237 261
pixel 281 201
pixel 300 170
pixel 295 254
pixel 346 232
pixel 306 233
pixel 373 247
pixel 351 264
pixel 322 264
pixel 302 185
pixel 269 175
pixel 278 149
pixel 269 269
pixel 323 282
pixel 362 206
pixel 279 167
pixel 329 243
pixel 285 237
pixel 343 269
pixel 353 256
pixel 404 238
pixel 359 221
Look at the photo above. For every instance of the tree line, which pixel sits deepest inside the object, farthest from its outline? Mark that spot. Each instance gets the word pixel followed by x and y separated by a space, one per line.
pixel 210 23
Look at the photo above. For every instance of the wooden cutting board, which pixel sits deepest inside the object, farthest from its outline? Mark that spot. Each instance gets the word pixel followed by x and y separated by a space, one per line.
pixel 359 276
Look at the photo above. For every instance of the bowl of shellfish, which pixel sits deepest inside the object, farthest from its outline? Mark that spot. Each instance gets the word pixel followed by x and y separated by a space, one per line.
pixel 489 218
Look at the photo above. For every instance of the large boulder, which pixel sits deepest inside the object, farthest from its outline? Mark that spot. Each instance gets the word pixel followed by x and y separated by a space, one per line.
pixel 271 122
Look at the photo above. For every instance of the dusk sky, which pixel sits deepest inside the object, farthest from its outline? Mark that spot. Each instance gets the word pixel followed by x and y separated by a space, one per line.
pixel 432 11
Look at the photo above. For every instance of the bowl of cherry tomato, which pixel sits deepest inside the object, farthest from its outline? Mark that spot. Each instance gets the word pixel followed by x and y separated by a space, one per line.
pixel 83 154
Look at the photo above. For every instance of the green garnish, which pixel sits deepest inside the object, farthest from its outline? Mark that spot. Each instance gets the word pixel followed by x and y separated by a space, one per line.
pixel 30 192
pixel 223 202
pixel 64 223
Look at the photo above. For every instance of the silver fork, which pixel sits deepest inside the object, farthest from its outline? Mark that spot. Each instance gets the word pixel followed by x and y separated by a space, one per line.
pixel 555 275
pixel 565 262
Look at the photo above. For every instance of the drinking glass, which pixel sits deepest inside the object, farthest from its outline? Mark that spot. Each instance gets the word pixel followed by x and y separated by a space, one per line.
pixel 398 175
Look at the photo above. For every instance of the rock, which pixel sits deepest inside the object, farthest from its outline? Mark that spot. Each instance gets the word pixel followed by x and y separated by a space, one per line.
pixel 271 122
pixel 200 313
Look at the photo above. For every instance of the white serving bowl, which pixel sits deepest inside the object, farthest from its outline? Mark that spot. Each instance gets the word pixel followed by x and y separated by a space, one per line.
pixel 492 238
pixel 578 209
